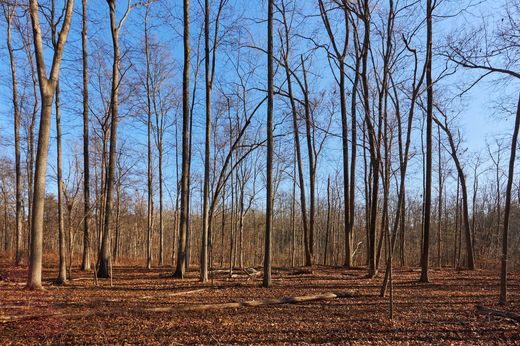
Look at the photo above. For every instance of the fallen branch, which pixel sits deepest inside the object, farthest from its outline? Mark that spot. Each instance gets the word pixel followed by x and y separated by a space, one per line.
pixel 17 318
pixel 500 313
pixel 253 303
pixel 252 272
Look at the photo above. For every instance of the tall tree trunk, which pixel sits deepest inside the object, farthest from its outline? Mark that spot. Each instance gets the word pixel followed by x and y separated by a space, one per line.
pixel 429 151
pixel 222 227
pixel 104 260
pixel 117 241
pixel 267 282
pixel 348 193
pixel 185 189
pixel 241 226
pixel 62 266
pixel 85 262
pixel 207 152
pixel 293 214
pixel 312 163
pixel 149 225
pixel 507 208
pixel 161 204
pixel 9 12
pixel 353 155
pixel 470 260
pixel 328 224
pixel 297 147
pixel 439 210
pixel 373 146
pixel 30 132
pixel 456 235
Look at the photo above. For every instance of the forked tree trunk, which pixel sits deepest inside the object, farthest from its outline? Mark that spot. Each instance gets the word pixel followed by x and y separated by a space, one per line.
pixel 209 76
pixel 348 188
pixel 470 260
pixel 297 147
pixel 47 89
pixel 104 260
pixel 404 149
pixel 373 147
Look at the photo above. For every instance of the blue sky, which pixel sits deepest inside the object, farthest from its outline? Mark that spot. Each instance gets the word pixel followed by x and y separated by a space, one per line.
pixel 478 119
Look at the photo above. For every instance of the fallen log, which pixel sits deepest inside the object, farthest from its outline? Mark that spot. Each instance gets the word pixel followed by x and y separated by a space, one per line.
pixel 180 293
pixel 500 313
pixel 253 303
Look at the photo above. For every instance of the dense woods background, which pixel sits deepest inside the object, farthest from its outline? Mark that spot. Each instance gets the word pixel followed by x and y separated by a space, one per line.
pixel 391 133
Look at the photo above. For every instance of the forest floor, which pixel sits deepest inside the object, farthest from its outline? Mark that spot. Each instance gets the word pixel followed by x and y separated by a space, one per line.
pixel 440 312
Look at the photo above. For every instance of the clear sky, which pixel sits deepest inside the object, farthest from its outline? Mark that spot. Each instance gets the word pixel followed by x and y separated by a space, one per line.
pixel 478 116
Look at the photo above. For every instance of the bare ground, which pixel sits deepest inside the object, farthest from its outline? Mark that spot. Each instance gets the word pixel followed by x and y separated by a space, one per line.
pixel 441 312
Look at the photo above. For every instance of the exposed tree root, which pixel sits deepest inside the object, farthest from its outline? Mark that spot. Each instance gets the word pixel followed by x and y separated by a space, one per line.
pixel 500 313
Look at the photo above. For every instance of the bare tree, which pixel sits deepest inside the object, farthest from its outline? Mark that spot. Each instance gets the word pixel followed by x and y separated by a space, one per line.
pixel 286 50
pixel 185 188
pixel 9 9
pixel 340 54
pixel 62 264
pixel 103 270
pixel 494 53
pixel 404 143
pixel 465 199
pixel 267 281
pixel 507 208
pixel 47 90
pixel 429 148
pixel 85 262
pixel 150 210
pixel 209 65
